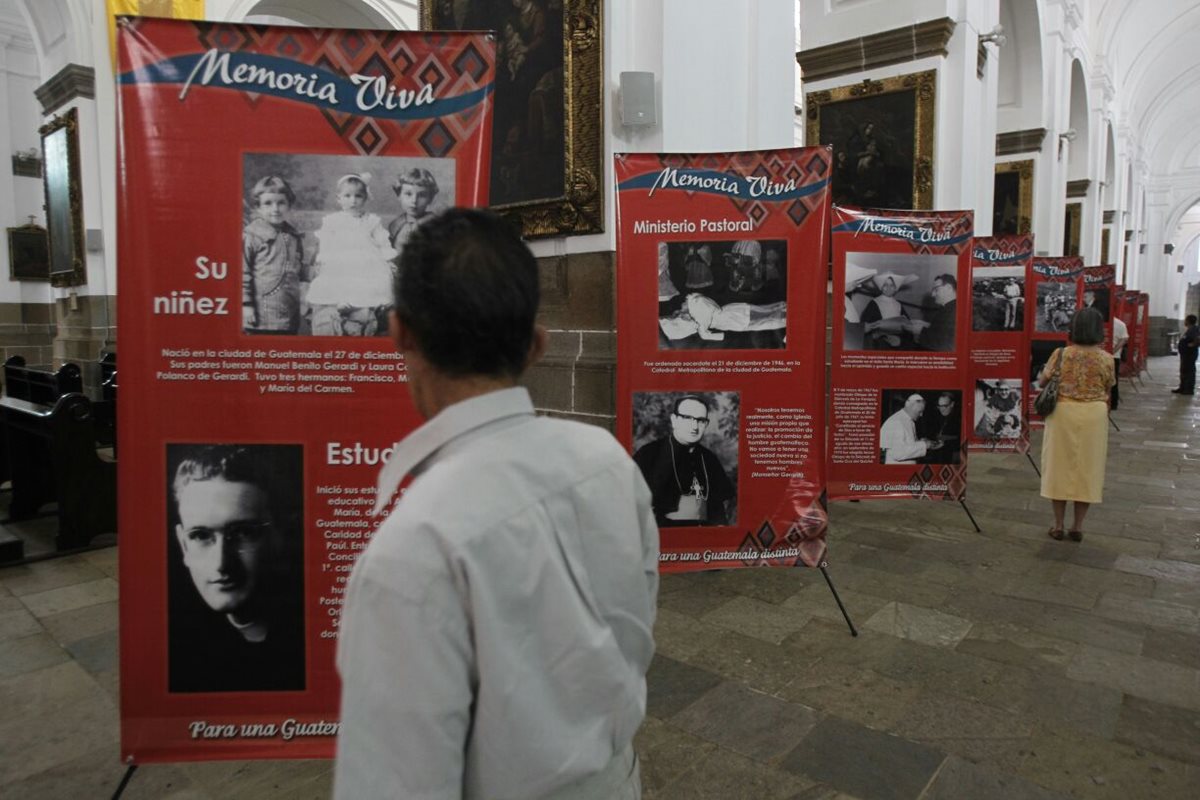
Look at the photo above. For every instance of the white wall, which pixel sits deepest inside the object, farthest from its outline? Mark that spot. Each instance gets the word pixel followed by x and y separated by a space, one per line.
pixel 20 197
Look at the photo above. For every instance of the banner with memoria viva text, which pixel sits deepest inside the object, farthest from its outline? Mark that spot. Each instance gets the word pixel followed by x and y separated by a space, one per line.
pixel 721 370
pixel 1055 291
pixel 1098 285
pixel 999 344
pixel 900 338
pixel 1126 309
pixel 1142 323
pixel 269 179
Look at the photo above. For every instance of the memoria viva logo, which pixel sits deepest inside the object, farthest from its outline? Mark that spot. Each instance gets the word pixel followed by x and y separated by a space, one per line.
pixel 255 72
pixel 730 185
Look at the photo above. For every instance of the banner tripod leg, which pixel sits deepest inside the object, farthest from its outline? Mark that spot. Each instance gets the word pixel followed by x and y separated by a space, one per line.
pixel 1033 463
pixel 971 516
pixel 124 782
pixel 1113 423
pixel 845 614
pixel 1129 380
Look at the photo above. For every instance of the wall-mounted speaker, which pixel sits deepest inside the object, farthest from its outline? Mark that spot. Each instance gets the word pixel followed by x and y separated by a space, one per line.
pixel 1168 248
pixel 1142 249
pixel 637 99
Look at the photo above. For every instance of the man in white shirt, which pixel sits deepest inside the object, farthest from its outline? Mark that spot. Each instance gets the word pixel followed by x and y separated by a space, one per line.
pixel 898 437
pixel 498 628
pixel 1120 339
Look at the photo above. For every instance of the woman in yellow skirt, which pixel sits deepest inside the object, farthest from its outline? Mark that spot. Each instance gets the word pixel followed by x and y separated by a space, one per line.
pixel 1075 442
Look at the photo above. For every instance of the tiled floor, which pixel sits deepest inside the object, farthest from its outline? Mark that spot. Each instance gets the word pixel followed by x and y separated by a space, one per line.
pixel 1001 665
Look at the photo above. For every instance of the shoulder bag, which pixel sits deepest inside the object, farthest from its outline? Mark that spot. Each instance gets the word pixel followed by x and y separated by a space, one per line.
pixel 1047 398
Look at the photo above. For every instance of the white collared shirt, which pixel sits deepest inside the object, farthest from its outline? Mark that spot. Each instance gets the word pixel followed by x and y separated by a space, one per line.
pixel 498 628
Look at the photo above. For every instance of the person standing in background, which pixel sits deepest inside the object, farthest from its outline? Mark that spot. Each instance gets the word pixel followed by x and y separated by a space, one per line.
pixel 1120 339
pixel 1189 345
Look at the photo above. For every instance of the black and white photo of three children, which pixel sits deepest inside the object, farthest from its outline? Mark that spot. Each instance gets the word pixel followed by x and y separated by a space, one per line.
pixel 322 237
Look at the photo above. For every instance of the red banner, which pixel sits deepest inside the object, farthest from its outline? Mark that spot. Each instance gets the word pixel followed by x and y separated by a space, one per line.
pixel 1142 323
pixel 270 177
pixel 1125 310
pixel 721 370
pixel 1001 321
pixel 1097 288
pixel 1056 290
pixel 900 341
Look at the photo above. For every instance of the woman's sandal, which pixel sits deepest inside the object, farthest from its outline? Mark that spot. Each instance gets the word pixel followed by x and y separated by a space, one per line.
pixel 1055 534
pixel 1075 536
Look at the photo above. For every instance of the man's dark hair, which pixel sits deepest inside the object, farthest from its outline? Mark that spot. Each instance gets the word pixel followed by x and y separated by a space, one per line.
pixel 467 290
pixel 275 469
pixel 1087 327
pixel 948 279
pixel 233 463
pixel 1190 319
pixel 685 398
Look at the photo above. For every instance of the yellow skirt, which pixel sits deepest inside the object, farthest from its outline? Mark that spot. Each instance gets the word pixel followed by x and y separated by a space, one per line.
pixel 1074 451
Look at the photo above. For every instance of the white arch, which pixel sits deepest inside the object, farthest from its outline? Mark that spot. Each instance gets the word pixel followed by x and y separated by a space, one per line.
pixel 1020 83
pixel 331 13
pixel 1077 164
pixel 62 33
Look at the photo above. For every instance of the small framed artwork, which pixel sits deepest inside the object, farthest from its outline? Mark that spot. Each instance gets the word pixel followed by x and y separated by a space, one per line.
pixel 1072 223
pixel 28 253
pixel 1012 198
pixel 882 138
pixel 64 199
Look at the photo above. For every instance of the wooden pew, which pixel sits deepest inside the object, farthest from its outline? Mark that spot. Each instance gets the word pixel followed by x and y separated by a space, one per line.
pixel 52 458
pixel 39 385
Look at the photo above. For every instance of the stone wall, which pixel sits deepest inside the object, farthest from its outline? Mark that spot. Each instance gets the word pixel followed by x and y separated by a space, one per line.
pixel 1159 343
pixel 576 377
pixel 27 330
pixel 86 326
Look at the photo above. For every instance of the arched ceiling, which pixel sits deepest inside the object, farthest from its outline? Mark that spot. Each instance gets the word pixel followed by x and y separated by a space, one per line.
pixel 1155 65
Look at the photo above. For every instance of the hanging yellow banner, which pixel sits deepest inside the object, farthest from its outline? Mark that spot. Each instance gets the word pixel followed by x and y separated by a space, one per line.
pixel 171 9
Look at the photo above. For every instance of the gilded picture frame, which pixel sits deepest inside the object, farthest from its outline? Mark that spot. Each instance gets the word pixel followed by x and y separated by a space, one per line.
pixel 547 153
pixel 64 199
pixel 882 134
pixel 28 253
pixel 1012 199
pixel 1072 224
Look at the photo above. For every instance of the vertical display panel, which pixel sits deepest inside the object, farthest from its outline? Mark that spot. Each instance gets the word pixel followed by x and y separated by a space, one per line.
pixel 269 179
pixel 720 371
pixel 900 337
pixel 999 345
pixel 1055 295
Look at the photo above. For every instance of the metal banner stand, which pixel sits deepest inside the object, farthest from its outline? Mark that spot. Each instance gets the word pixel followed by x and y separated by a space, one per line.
pixel 1033 463
pixel 970 516
pixel 124 782
pixel 842 608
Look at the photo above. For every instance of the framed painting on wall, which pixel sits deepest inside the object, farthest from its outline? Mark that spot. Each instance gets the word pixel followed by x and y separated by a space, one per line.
pixel 64 199
pixel 1012 198
pixel 1071 227
pixel 28 253
pixel 882 138
pixel 547 148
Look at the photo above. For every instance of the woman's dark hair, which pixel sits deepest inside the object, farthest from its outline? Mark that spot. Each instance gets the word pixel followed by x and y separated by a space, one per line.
pixel 467 289
pixel 1087 327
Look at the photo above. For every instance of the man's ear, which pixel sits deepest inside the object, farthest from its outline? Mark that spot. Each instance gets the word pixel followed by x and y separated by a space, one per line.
pixel 182 539
pixel 401 336
pixel 537 347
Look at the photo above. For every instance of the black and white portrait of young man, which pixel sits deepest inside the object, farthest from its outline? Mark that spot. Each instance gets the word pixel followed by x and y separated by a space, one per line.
pixel 235 580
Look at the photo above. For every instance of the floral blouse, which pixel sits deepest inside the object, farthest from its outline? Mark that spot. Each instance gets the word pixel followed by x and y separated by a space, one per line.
pixel 1087 373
